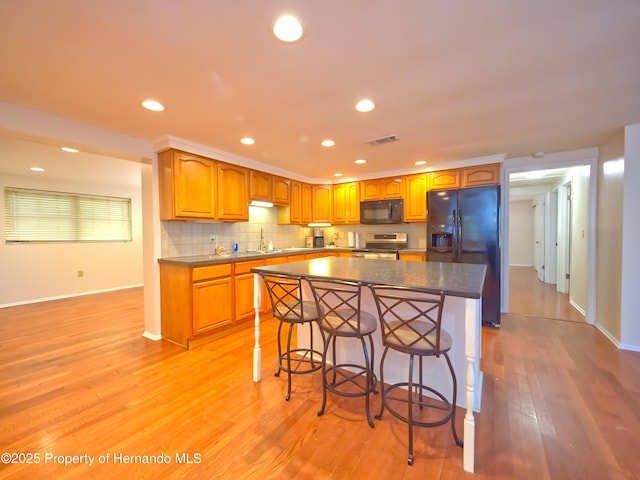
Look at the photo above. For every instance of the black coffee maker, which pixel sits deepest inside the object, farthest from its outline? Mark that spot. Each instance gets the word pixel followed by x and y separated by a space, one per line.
pixel 318 238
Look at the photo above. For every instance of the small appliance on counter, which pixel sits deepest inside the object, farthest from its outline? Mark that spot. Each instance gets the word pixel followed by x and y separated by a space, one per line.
pixel 308 241
pixel 318 238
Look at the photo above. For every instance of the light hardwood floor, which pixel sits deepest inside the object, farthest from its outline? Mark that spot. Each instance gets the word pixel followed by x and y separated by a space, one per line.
pixel 530 296
pixel 76 377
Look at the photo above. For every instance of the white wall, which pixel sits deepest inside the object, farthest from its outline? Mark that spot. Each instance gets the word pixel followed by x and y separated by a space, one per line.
pixel 32 272
pixel 520 233
pixel 609 230
pixel 630 325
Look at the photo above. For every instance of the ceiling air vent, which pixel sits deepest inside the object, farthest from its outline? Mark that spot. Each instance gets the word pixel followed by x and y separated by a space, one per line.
pixel 383 140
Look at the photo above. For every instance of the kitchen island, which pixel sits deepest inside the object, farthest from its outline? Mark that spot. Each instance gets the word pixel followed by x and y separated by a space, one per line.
pixel 462 318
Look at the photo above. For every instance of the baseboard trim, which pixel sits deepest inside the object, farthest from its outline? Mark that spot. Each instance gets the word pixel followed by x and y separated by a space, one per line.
pixel 152 336
pixel 616 342
pixel 578 307
pixel 71 295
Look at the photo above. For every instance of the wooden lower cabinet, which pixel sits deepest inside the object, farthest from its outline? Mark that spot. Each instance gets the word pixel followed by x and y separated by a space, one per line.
pixel 200 304
pixel 243 295
pixel 211 305
pixel 194 301
pixel 413 257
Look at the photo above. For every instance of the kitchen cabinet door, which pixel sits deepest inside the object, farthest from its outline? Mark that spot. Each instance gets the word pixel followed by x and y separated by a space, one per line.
pixel 187 186
pixel 243 283
pixel 322 203
pixel 352 200
pixel 370 190
pixel 415 198
pixel 260 186
pixel 412 257
pixel 211 304
pixel 444 179
pixel 481 175
pixel 306 204
pixel 281 188
pixel 339 203
pixel 233 192
pixel 392 187
pixel 295 206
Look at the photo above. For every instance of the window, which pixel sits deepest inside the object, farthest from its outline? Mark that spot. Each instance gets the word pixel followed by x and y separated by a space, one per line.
pixel 42 216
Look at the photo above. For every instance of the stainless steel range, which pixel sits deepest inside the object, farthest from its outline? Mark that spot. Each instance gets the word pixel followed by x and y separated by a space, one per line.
pixel 382 246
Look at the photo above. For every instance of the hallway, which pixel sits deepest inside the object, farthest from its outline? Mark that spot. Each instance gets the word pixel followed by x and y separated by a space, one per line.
pixel 530 296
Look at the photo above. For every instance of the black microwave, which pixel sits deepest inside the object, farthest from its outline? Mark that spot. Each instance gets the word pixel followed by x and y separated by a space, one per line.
pixel 382 211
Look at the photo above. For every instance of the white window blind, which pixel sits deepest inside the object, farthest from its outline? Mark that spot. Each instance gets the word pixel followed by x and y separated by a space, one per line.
pixel 42 216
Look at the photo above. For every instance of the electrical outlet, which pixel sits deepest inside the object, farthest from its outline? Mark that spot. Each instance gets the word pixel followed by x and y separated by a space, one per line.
pixel 213 238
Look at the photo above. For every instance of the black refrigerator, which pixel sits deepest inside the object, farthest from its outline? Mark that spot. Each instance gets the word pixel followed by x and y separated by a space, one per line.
pixel 463 225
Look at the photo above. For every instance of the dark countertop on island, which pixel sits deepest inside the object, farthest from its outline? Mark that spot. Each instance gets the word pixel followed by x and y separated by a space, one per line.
pixel 455 279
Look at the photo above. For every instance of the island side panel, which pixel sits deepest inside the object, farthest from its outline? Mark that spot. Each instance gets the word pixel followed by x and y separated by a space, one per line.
pixel 473 322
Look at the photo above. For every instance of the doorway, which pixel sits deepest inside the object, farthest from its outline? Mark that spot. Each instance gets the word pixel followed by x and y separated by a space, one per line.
pixel 540 284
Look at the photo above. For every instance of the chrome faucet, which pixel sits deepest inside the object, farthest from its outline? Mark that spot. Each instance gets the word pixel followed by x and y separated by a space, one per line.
pixel 262 246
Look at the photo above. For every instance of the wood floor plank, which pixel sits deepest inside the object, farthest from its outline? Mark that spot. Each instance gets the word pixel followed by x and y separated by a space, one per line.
pixel 76 376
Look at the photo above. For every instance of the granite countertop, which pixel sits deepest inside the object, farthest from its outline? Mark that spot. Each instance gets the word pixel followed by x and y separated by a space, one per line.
pixel 455 279
pixel 213 259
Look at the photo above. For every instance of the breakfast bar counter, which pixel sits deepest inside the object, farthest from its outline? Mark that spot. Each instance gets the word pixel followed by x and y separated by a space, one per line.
pixel 462 317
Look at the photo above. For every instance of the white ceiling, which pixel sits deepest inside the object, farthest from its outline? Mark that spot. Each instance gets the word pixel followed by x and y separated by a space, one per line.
pixel 453 79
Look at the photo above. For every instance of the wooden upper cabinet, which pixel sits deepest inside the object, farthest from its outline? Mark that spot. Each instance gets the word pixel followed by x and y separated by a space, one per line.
pixel 298 210
pixel 415 198
pixel 281 190
pixel 370 190
pixel 392 187
pixel 322 203
pixel 481 175
pixel 187 186
pixel 444 179
pixel 346 202
pixel 295 205
pixel 382 188
pixel 233 192
pixel 306 203
pixel 340 203
pixel 353 202
pixel 260 186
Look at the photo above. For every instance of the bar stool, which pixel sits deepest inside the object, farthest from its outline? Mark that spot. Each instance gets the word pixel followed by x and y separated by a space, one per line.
pixel 341 317
pixel 411 324
pixel 285 293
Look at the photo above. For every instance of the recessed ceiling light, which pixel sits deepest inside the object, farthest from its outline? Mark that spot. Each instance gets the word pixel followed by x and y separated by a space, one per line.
pixel 247 141
pixel 327 143
pixel 421 162
pixel 287 28
pixel 37 169
pixel 69 149
pixel 337 174
pixel 153 106
pixel 360 161
pixel 365 105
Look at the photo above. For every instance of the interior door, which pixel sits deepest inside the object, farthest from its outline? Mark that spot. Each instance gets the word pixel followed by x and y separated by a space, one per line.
pixel 538 238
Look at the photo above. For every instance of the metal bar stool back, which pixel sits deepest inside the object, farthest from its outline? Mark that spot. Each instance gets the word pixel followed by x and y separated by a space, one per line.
pixel 285 294
pixel 411 323
pixel 341 316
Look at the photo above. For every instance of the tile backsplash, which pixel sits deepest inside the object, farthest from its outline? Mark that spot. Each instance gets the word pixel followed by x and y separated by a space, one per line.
pixel 183 239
